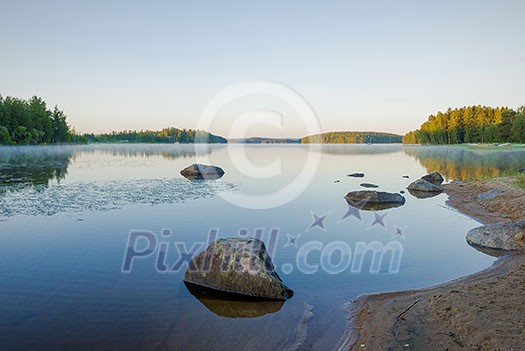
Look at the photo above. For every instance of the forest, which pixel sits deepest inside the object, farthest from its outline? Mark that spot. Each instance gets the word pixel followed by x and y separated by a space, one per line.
pixel 29 122
pixel 166 135
pixel 352 138
pixel 473 124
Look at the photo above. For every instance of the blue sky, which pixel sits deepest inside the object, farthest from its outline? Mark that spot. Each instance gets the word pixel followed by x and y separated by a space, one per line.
pixel 362 65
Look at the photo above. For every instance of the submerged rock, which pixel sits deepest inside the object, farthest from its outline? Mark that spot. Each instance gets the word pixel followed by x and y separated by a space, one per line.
pixel 374 200
pixel 498 237
pixel 369 185
pixel 239 266
pixel 489 195
pixel 231 305
pixel 423 185
pixel 434 178
pixel 356 175
pixel 200 171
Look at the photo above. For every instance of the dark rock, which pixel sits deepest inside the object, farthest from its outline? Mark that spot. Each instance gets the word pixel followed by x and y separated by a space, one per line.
pixel 357 175
pixel 426 186
pixel 336 181
pixel 369 185
pixel 233 305
pixel 521 170
pixel 402 192
pixel 405 176
pixel 434 178
pixel 489 195
pixel 199 171
pixel 371 200
pixel 498 237
pixel 239 266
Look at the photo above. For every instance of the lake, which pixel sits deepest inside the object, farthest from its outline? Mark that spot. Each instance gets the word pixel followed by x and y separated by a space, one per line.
pixel 66 213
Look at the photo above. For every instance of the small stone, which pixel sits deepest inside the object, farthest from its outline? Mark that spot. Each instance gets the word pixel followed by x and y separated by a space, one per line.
pixel 425 185
pixel 371 200
pixel 199 171
pixel 518 237
pixel 489 195
pixel 356 175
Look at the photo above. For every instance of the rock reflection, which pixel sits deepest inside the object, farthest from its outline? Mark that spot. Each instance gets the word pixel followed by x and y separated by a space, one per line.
pixel 233 305
pixel 422 194
pixel 489 251
pixel 370 206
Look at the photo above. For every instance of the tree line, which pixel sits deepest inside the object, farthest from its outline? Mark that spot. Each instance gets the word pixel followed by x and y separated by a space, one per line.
pixel 28 122
pixel 473 124
pixel 352 138
pixel 166 135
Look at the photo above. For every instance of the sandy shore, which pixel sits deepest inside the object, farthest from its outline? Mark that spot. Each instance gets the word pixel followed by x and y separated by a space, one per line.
pixel 484 311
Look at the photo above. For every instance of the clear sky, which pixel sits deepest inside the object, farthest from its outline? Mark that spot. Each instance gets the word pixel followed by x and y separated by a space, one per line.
pixel 362 65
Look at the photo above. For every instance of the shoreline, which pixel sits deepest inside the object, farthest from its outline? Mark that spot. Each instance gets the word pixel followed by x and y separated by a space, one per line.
pixel 481 311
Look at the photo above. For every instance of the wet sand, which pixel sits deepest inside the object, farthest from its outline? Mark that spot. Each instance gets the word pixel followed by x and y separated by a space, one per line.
pixel 483 311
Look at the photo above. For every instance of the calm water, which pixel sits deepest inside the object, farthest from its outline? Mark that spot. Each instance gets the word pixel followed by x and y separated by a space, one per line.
pixel 66 212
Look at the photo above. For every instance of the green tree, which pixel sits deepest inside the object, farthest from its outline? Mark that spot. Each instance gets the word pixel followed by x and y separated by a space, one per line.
pixel 518 129
pixel 60 127
pixel 5 138
pixel 473 124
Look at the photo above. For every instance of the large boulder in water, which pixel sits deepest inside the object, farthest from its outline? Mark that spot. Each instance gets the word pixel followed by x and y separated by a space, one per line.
pixel 425 186
pixel 200 171
pixel 374 200
pixel 507 236
pixel 238 266
pixel 434 178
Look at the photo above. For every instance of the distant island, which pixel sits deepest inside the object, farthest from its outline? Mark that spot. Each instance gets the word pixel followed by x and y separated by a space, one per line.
pixel 166 136
pixel 473 124
pixel 352 138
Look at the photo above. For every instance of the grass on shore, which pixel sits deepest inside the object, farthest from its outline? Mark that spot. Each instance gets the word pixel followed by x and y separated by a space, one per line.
pixel 520 182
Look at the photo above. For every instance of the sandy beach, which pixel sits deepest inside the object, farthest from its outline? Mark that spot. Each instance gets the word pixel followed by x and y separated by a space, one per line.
pixel 483 311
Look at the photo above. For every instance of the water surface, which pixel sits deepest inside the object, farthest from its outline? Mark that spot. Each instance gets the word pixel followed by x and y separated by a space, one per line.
pixel 66 212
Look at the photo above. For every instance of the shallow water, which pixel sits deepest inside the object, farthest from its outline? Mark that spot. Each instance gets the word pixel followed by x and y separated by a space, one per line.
pixel 66 212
